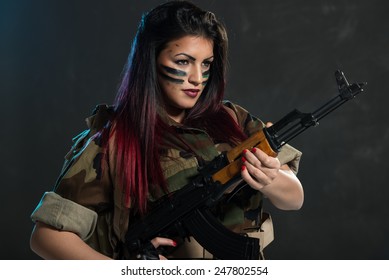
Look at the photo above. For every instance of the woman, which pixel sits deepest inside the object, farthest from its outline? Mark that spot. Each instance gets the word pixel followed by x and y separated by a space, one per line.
pixel 168 118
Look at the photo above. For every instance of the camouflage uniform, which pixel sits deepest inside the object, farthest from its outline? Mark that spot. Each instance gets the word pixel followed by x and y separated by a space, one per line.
pixel 88 201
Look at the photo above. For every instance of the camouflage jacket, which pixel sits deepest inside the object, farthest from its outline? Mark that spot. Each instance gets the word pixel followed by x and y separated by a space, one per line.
pixel 88 201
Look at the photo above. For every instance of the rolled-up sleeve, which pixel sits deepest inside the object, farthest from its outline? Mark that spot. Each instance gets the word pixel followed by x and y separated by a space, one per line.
pixel 64 214
pixel 290 156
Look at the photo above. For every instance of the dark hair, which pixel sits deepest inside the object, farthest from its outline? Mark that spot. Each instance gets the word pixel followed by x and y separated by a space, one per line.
pixel 138 124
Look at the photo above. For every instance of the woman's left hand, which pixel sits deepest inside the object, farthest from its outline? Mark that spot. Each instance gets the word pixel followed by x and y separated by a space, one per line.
pixel 277 182
pixel 259 169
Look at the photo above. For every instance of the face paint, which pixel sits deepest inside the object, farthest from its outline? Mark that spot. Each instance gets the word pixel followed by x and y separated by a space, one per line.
pixel 172 71
pixel 205 76
pixel 170 79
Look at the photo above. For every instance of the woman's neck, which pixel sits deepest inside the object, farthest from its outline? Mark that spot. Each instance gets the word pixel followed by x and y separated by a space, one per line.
pixel 177 115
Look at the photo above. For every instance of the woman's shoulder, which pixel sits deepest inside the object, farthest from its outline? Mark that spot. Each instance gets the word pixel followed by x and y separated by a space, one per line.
pixel 248 122
pixel 100 116
pixel 239 113
pixel 229 107
pixel 235 108
pixel 95 122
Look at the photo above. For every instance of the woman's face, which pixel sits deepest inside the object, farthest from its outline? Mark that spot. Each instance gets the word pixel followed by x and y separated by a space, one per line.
pixel 183 70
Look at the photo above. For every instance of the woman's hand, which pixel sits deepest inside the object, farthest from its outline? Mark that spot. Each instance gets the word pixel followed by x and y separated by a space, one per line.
pixel 259 169
pixel 277 182
pixel 162 241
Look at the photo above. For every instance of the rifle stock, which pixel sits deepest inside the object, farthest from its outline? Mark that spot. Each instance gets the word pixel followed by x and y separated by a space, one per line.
pixel 186 212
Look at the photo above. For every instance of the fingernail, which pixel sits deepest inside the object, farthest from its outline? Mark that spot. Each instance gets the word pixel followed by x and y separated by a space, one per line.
pixel 174 243
pixel 245 151
pixel 254 150
pixel 243 167
pixel 244 159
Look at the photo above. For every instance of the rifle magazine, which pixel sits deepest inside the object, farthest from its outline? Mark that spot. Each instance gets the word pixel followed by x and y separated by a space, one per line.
pixel 218 240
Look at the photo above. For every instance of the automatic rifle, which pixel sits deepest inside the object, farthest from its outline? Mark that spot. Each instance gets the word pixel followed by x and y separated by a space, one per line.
pixel 187 212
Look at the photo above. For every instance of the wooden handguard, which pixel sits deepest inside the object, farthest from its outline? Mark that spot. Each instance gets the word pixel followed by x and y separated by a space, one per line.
pixel 257 140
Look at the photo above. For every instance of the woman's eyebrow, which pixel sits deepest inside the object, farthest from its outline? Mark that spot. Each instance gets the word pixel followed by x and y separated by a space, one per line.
pixel 209 57
pixel 187 55
pixel 191 57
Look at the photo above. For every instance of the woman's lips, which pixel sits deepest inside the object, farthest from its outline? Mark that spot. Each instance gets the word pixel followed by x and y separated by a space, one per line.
pixel 191 92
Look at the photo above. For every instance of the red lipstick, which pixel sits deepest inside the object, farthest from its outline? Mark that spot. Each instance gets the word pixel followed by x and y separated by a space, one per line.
pixel 191 92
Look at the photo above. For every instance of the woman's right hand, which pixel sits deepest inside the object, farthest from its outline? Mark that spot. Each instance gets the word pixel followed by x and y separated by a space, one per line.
pixel 162 241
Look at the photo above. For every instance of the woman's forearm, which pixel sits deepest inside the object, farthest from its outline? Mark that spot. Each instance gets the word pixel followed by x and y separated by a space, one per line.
pixel 285 192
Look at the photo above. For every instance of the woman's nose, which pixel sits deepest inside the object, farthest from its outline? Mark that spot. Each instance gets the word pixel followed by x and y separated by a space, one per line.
pixel 195 76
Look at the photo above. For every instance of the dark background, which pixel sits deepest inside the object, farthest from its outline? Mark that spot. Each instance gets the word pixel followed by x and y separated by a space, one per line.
pixel 58 59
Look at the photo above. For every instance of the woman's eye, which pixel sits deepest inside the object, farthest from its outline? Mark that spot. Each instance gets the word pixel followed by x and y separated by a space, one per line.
pixel 182 62
pixel 207 64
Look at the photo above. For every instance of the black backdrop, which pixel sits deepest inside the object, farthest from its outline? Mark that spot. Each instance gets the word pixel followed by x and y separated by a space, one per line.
pixel 60 58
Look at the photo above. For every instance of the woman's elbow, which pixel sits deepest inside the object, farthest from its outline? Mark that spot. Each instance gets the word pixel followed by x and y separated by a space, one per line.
pixel 293 201
pixel 297 205
pixel 34 240
pixel 298 199
pixel 39 238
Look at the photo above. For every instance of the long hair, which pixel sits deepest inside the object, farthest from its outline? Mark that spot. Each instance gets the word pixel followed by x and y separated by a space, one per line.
pixel 137 122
